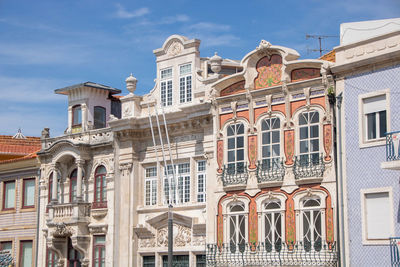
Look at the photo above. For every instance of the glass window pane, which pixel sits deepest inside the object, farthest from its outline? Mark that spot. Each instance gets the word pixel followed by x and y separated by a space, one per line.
pixel 100 239
pixel 314 145
pixel 276 123
pixel 314 117
pixel 230 130
pixel 6 246
pixel 231 156
pixel 26 257
pixel 265 151
pixel 275 150
pixel 303 118
pixel 382 123
pixel 77 115
pixel 9 198
pixel 240 155
pixel 303 146
pixel 99 117
pixel 240 128
pixel 265 138
pixel 314 131
pixel 275 137
pixel 29 193
pixel 240 141
pixel 231 143
pixel 264 126
pixel 303 133
pixel 371 126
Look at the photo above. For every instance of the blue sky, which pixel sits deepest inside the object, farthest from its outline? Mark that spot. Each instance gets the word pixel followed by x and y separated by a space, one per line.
pixel 45 45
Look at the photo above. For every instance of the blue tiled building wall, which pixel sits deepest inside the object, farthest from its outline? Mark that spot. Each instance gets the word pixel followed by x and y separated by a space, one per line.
pixel 363 164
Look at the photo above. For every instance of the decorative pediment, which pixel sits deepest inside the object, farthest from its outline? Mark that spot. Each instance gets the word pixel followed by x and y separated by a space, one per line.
pixel 175 45
pixel 233 89
pixel 161 220
pixel 269 69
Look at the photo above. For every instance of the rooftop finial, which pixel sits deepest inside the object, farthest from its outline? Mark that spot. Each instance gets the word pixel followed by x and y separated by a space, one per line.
pixel 131 83
pixel 216 61
pixel 19 135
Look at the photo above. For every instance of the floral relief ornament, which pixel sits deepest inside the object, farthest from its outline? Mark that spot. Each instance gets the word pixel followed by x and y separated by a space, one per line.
pixel 174 49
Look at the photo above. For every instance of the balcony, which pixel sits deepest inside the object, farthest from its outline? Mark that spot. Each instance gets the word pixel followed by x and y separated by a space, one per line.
pixel 235 175
pixel 69 213
pixel 267 254
pixel 270 172
pixel 308 168
pixel 392 151
pixel 394 251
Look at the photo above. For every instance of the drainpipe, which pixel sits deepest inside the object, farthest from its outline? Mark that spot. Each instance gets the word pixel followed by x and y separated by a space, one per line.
pixel 342 253
pixel 37 220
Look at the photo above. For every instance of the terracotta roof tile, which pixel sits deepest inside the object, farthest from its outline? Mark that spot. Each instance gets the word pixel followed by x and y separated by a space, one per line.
pixel 29 156
pixel 18 147
pixel 330 56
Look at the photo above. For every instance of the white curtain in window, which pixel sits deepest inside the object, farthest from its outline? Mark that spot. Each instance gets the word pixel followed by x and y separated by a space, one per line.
pixel 9 200
pixel 374 104
pixel 29 194
pixel 26 254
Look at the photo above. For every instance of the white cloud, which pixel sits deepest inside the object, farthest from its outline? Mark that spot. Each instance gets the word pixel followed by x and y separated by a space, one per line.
pixel 122 13
pixel 174 19
pixel 30 90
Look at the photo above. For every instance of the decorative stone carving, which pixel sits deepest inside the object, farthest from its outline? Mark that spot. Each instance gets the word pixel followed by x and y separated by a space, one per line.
pixel 183 237
pixel 98 228
pixel 61 230
pixel 263 44
pixel 175 49
pixel 162 237
pixel 199 240
pixel 147 242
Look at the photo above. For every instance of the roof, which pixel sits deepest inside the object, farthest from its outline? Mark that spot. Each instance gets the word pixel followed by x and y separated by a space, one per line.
pixel 13 148
pixel 330 56
pixel 65 90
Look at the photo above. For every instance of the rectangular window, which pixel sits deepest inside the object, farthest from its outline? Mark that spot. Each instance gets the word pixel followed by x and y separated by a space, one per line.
pixel 377 215
pixel 182 172
pixel 151 186
pixel 177 260
pixel 29 193
pixel 26 253
pixel 201 181
pixel 149 261
pixel 6 246
pixel 9 195
pixel 201 261
pixel 374 118
pixel 185 83
pixel 166 87
pixel 51 259
pixel 99 251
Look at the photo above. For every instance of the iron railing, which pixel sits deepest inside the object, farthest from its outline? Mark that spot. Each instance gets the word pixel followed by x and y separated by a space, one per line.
pixel 6 259
pixel 266 254
pixel 306 166
pixel 234 174
pixel 271 171
pixel 393 146
pixel 394 251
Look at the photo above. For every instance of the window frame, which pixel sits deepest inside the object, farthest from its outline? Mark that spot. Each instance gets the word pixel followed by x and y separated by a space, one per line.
pixel 309 138
pixel 226 204
pixel 99 247
pixel 168 84
pixel 71 179
pixel 23 204
pixel 73 115
pixel 102 202
pixel 260 137
pixel 235 136
pixel 201 193
pixel 104 117
pixel 51 258
pixel 362 123
pixel 151 180
pixel 363 193
pixel 20 250
pixel 185 97
pixel 176 198
pixel 5 195
pixel 2 241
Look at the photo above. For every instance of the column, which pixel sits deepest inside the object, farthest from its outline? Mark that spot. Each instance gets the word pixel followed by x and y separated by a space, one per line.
pixel 79 163
pixel 54 194
pixel 84 117
pixel 69 119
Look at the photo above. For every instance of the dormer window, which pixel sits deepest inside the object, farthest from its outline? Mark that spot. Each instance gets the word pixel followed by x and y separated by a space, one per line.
pixel 185 83
pixel 99 117
pixel 76 115
pixel 166 87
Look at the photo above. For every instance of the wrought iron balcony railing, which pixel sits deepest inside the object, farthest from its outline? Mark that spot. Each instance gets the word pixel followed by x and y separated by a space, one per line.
pixel 394 251
pixel 306 166
pixel 235 174
pixel 270 171
pixel 393 146
pixel 267 254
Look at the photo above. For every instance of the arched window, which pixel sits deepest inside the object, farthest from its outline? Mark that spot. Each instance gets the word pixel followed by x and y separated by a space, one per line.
pixel 76 115
pixel 73 185
pixel 273 223
pixel 311 219
pixel 270 141
pixel 99 117
pixel 100 185
pixel 235 140
pixel 309 136
pixel 237 223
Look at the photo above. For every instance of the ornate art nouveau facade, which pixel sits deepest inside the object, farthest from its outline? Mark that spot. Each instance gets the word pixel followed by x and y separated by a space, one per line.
pixel 248 165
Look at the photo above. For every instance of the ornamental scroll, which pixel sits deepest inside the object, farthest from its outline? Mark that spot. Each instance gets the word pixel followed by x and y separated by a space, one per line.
pixel 220 155
pixel 252 151
pixel 269 72
pixel 328 141
pixel 289 146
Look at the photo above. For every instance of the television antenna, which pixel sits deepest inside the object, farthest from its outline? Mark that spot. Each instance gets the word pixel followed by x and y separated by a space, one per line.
pixel 319 37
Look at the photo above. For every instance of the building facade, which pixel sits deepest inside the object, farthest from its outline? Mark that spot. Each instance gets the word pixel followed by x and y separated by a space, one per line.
pixel 19 177
pixel 367 71
pixel 242 150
